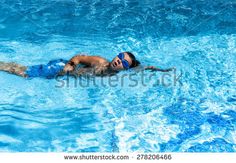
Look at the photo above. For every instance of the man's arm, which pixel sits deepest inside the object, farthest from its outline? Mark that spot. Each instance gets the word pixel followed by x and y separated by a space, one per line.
pixel 83 59
pixel 152 68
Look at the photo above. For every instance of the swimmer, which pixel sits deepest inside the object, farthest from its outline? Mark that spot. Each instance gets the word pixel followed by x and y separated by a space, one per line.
pixel 78 65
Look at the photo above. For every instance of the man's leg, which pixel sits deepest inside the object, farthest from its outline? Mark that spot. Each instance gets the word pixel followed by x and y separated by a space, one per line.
pixel 13 68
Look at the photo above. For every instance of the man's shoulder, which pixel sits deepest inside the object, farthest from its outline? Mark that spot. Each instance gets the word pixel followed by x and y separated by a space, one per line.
pixel 102 61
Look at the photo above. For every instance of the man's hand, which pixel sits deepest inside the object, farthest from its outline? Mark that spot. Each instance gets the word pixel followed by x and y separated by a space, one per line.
pixel 68 68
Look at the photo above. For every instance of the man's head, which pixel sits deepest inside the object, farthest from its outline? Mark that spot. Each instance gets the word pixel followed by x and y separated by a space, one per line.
pixel 124 60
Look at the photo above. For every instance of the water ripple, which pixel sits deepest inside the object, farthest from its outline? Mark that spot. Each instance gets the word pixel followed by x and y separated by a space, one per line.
pixel 197 114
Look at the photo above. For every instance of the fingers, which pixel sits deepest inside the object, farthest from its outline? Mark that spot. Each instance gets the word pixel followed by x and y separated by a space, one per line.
pixel 172 68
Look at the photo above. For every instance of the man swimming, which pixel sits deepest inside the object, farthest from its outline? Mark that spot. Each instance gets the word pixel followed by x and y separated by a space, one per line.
pixel 93 65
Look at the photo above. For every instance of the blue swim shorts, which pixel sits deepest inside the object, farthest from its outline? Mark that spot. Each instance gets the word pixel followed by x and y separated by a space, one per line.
pixel 49 70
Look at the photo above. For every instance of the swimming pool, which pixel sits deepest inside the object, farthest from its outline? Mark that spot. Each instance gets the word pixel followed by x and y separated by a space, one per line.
pixel 197 114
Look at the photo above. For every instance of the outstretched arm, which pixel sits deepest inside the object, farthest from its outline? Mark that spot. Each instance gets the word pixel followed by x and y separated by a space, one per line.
pixel 82 59
pixel 152 68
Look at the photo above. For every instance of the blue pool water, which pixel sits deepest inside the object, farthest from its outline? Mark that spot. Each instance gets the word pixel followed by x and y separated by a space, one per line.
pixel 196 114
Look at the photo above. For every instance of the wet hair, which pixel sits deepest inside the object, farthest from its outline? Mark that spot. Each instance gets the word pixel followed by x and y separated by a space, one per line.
pixel 134 61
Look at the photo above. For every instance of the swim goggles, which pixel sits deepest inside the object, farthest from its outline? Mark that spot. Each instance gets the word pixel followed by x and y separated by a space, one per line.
pixel 124 62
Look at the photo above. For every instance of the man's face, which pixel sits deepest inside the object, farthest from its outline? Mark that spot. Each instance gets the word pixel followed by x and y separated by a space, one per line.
pixel 116 63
